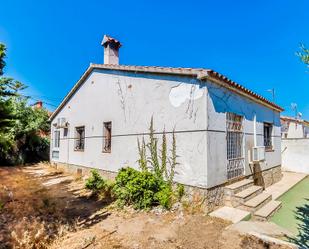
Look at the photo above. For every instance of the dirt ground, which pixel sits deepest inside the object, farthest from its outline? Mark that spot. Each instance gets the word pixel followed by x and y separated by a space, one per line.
pixel 41 207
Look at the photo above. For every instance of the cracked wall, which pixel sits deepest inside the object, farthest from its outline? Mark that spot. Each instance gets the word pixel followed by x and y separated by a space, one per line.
pixel 129 100
pixel 219 101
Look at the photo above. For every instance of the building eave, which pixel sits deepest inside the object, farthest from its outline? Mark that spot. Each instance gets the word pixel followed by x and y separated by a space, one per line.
pixel 199 73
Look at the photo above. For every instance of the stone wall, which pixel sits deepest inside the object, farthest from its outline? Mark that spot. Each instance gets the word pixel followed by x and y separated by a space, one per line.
pixel 81 170
pixel 201 199
pixel 271 176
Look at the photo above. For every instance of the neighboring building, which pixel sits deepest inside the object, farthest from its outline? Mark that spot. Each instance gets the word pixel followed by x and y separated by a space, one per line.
pixel 217 122
pixel 294 128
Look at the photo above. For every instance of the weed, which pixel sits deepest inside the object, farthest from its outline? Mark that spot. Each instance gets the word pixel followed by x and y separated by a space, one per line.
pixel 180 191
pixel 95 182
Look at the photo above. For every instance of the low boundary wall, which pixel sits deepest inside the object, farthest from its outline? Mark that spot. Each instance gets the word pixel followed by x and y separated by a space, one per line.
pixel 295 154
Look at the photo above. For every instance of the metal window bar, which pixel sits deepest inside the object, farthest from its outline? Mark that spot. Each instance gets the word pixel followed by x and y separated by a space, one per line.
pixel 234 125
pixel 267 136
pixel 56 139
pixel 80 138
pixel 107 137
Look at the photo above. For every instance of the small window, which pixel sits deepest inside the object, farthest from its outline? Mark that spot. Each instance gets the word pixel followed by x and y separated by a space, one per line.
pixel 65 132
pixel 80 138
pixel 55 154
pixel 268 128
pixel 56 139
pixel 107 137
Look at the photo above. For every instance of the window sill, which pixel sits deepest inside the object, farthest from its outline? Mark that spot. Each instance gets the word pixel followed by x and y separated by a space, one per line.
pixel 269 150
pixel 79 150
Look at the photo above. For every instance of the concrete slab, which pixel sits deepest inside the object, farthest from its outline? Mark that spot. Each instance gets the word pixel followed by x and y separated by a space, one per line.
pixel 268 209
pixel 247 192
pixel 265 228
pixel 57 180
pixel 288 180
pixel 239 184
pixel 232 214
pixel 258 200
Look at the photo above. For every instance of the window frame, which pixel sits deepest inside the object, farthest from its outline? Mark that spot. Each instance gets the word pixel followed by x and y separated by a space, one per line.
pixel 107 139
pixel 268 140
pixel 81 139
pixel 56 142
pixel 65 132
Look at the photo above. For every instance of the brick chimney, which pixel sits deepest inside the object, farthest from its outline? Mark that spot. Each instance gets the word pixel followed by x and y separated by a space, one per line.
pixel 38 105
pixel 111 50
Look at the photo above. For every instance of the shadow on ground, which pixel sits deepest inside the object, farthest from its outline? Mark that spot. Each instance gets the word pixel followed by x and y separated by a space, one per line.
pixel 33 214
pixel 302 215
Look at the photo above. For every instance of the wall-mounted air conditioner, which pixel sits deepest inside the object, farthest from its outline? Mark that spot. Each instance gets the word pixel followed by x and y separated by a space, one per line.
pixel 62 123
pixel 258 153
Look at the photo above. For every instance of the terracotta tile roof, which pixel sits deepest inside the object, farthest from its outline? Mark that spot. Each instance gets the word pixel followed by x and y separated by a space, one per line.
pixel 291 119
pixel 199 73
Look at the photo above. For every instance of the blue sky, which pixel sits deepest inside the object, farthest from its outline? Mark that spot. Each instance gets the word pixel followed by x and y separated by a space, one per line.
pixel 51 43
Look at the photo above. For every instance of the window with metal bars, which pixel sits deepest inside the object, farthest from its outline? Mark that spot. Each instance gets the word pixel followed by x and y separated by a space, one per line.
pixel 268 128
pixel 234 140
pixel 79 138
pixel 234 135
pixel 56 139
pixel 107 137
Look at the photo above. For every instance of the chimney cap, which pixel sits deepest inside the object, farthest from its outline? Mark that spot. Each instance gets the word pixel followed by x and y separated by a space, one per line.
pixel 108 39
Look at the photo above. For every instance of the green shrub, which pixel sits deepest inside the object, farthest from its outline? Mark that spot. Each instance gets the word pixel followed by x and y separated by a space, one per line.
pixel 95 182
pixel 153 184
pixel 142 189
pixel 180 191
pixel 1 205
pixel 108 190
pixel 165 195
pixel 137 188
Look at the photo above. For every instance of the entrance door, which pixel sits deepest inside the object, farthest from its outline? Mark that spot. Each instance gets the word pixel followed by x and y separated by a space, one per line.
pixel 234 140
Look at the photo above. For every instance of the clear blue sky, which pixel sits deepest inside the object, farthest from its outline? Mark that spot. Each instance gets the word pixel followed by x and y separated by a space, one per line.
pixel 51 43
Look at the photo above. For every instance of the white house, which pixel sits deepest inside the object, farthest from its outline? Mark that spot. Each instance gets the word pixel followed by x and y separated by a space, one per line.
pixel 217 122
pixel 294 127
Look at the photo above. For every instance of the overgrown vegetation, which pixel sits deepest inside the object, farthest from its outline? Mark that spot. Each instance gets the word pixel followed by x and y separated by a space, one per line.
pixel 99 186
pixel 150 186
pixel 302 215
pixel 303 54
pixel 21 126
pixel 153 184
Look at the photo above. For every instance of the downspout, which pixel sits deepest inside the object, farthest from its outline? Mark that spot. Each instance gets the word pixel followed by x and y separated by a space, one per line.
pixel 254 130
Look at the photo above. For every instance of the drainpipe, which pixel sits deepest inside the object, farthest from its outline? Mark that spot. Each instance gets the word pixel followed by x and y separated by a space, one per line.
pixel 254 130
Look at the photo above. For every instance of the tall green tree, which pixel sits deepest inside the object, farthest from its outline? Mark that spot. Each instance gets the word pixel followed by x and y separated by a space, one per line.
pixel 21 126
pixel 303 54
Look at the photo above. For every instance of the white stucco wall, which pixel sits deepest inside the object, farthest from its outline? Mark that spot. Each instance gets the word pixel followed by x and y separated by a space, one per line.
pixel 219 101
pixel 295 155
pixel 196 110
pixel 129 100
pixel 296 130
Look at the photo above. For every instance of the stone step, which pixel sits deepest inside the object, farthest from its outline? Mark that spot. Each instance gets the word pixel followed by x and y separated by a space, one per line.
pixel 256 202
pixel 247 194
pixel 232 189
pixel 266 212
pixel 231 214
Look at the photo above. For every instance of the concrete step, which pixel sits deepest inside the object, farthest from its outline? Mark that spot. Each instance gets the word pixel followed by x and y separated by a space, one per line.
pixel 247 194
pixel 266 212
pixel 256 202
pixel 232 189
pixel 232 214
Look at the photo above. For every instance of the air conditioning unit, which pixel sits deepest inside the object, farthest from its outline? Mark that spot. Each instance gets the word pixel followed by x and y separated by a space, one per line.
pixel 62 123
pixel 258 153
